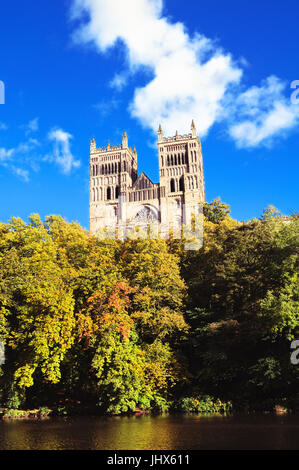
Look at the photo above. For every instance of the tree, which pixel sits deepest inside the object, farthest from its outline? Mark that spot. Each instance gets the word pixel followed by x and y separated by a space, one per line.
pixel 36 304
pixel 215 211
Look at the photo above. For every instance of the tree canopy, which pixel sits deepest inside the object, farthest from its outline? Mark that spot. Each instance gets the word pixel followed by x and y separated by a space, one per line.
pixel 144 324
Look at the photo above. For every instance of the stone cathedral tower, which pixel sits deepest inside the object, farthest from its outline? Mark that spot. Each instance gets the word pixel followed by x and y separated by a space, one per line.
pixel 120 199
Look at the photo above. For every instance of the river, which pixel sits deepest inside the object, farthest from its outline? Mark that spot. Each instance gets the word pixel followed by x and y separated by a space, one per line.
pixel 179 432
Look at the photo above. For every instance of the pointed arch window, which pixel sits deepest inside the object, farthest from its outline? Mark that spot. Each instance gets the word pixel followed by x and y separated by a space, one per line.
pixel 181 184
pixel 172 185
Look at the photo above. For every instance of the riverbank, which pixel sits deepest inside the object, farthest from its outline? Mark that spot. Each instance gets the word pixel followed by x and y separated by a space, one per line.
pixel 45 413
pixel 39 413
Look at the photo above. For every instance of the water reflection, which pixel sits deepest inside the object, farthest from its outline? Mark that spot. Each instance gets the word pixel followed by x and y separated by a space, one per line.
pixel 183 432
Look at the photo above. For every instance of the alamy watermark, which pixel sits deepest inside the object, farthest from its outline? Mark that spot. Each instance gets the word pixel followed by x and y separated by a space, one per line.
pixel 295 94
pixel 2 92
pixel 143 221
pixel 295 353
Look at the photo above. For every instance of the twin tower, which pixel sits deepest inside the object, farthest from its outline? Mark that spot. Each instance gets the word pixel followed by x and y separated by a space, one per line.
pixel 120 200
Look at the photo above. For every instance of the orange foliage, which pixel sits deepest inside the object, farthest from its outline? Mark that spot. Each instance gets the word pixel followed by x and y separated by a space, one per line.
pixel 105 310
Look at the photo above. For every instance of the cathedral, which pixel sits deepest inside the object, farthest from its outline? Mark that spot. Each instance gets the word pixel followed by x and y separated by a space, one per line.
pixel 121 200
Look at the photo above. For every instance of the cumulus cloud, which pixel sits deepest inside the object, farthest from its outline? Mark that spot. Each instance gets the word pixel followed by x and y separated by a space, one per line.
pixel 189 82
pixel 264 113
pixel 190 77
pixel 62 154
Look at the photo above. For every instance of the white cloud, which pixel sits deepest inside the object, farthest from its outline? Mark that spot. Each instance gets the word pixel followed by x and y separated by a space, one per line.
pixel 189 82
pixel 21 173
pixel 5 154
pixel 119 81
pixel 22 148
pixel 264 114
pixel 190 76
pixel 9 156
pixel 62 154
pixel 3 126
pixel 31 126
pixel 25 153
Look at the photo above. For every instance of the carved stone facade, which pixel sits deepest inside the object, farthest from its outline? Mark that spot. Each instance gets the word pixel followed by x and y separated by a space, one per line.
pixel 119 198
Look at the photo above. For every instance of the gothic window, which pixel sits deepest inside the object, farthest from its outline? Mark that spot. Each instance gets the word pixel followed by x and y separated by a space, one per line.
pixel 167 160
pixel 179 158
pixel 182 183
pixel 162 160
pixel 175 160
pixel 108 193
pixel 171 159
pixel 194 155
pixel 117 192
pixel 172 186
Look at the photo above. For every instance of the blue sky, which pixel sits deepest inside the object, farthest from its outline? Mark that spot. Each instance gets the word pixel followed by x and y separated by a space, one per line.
pixel 74 69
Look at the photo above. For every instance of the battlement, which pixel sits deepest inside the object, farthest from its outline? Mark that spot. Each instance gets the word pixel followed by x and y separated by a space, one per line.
pixel 178 137
pixel 112 148
pixel 109 148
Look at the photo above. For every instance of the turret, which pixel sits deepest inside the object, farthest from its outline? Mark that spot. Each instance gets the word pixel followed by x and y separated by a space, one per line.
pixel 193 129
pixel 160 134
pixel 125 140
pixel 93 145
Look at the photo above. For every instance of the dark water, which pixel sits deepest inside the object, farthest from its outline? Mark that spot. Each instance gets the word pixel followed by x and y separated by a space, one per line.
pixel 184 432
